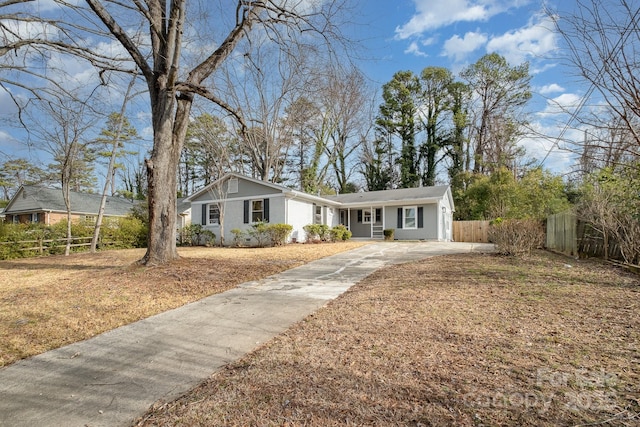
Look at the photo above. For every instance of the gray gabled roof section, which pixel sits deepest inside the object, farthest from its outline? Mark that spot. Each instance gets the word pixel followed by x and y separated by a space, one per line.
pixel 400 195
pixel 34 198
pixel 277 187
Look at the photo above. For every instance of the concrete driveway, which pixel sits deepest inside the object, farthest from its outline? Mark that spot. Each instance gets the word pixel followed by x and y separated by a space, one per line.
pixel 113 378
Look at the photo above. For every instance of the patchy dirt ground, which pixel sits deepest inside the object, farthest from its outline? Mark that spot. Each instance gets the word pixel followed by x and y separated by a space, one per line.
pixel 457 340
pixel 52 301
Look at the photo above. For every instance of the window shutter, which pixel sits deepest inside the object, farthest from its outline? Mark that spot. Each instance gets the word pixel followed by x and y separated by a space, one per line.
pixel 399 218
pixel 265 208
pixel 246 212
pixel 359 215
pixel 420 220
pixel 203 221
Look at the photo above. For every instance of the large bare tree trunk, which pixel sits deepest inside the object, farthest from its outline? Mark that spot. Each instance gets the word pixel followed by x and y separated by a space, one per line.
pixel 169 135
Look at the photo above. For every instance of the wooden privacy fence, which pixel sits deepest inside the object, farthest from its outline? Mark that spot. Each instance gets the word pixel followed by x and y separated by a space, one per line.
pixel 570 236
pixel 562 233
pixel 471 231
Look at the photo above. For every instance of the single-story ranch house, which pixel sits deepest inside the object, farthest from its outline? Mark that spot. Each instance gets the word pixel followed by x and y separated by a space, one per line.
pixel 423 213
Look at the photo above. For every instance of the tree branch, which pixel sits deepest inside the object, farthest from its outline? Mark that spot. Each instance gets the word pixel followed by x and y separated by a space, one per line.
pixel 122 37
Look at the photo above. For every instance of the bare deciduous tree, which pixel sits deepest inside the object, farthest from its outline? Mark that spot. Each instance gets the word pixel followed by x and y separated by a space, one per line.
pixel 159 55
pixel 602 40
pixel 65 138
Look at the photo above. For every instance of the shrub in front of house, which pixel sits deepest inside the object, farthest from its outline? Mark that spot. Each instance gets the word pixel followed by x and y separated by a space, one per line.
pixel 516 236
pixel 339 233
pixel 389 233
pixel 278 233
pixel 312 232
pixel 259 232
pixel 197 235
pixel 317 232
pixel 238 236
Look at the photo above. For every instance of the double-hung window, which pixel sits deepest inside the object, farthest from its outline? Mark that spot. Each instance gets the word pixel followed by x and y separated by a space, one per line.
pixel 409 217
pixel 214 214
pixel 257 210
pixel 366 216
pixel 317 214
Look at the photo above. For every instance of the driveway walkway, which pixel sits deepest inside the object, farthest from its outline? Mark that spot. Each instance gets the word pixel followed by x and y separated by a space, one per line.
pixel 113 378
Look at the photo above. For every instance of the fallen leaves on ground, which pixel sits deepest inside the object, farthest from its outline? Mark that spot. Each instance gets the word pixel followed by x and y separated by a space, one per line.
pixel 52 301
pixel 457 340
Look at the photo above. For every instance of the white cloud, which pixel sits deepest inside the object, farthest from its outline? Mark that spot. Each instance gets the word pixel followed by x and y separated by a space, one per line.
pixel 434 14
pixel 458 48
pixel 535 40
pixel 549 149
pixel 551 88
pixel 563 104
pixel 414 49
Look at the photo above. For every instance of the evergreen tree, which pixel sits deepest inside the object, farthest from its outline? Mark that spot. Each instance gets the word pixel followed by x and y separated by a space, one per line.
pixel 398 118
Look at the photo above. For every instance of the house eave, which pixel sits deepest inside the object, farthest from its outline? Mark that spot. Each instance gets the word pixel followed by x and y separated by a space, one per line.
pixel 294 194
pixel 397 202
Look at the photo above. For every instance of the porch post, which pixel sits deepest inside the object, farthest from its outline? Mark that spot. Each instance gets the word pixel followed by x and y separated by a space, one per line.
pixel 373 221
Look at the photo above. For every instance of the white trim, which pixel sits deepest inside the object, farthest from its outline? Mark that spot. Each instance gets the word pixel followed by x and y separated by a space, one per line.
pixel 235 199
pixel 391 203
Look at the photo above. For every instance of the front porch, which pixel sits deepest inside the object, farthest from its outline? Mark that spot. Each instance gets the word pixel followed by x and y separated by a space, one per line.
pixel 368 223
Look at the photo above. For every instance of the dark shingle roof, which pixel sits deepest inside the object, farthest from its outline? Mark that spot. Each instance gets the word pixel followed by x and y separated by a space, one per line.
pixel 400 194
pixel 37 198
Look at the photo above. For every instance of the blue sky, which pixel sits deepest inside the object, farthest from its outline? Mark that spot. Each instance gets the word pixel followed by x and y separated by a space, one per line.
pixel 413 34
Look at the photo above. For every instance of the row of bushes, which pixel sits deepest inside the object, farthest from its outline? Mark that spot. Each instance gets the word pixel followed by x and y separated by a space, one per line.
pixel 264 234
pixel 322 233
pixel 116 233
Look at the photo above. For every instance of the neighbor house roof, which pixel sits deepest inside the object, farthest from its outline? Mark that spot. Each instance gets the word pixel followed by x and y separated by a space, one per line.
pixel 34 198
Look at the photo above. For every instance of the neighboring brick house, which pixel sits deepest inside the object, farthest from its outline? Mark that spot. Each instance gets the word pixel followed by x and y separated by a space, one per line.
pixel 37 204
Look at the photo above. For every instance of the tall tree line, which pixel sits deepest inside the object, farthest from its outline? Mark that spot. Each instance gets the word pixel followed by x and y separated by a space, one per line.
pixel 471 125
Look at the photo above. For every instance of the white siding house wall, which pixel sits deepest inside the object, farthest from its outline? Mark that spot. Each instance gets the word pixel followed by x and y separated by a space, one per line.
pixel 333 218
pixel 300 214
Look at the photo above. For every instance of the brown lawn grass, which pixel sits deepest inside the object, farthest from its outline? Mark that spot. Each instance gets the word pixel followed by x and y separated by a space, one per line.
pixel 52 301
pixel 457 340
